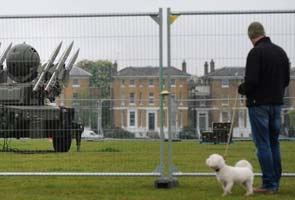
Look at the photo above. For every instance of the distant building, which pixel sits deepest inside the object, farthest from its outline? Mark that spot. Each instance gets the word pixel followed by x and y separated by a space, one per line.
pixel 292 88
pixel 78 87
pixel 136 99
pixel 215 95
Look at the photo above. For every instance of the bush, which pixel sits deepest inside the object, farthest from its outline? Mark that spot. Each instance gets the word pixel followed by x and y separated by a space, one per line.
pixel 188 133
pixel 118 133
pixel 153 135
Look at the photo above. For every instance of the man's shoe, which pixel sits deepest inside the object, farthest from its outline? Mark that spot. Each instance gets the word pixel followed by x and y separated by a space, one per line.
pixel 261 190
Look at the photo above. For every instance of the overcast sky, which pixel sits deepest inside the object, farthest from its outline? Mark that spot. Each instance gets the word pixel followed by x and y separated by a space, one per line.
pixel 134 41
pixel 85 6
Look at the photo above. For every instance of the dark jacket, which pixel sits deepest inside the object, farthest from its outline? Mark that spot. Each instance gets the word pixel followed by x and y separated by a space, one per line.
pixel 267 74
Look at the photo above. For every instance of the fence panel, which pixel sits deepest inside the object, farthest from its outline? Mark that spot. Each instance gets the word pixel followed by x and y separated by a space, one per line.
pixel 38 121
pixel 212 47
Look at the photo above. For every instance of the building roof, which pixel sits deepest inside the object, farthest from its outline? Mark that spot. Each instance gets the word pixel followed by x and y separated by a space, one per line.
pixel 150 71
pixel 77 71
pixel 232 72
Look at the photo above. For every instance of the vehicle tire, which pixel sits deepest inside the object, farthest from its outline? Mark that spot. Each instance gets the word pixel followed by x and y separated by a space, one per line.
pixel 62 143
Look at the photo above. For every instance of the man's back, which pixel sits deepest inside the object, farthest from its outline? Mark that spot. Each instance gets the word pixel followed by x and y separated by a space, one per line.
pixel 267 73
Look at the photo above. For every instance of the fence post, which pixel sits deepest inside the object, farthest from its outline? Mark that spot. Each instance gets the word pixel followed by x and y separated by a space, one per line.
pixel 170 181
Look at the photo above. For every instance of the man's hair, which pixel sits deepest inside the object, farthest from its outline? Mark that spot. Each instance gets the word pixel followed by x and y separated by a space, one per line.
pixel 255 30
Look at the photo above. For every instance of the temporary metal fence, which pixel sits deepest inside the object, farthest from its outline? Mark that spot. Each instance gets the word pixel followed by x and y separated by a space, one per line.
pixel 107 42
pixel 131 106
pixel 214 46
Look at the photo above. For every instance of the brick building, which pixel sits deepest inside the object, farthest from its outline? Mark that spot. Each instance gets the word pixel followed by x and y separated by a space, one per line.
pixel 292 88
pixel 216 94
pixel 78 87
pixel 136 98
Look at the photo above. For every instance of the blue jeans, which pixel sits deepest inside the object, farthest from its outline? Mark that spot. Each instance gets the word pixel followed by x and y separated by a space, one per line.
pixel 265 123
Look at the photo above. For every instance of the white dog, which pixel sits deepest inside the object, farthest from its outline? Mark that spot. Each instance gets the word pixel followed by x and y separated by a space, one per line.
pixel 241 173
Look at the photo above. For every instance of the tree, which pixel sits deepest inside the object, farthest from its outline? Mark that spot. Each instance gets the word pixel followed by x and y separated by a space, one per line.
pixel 102 71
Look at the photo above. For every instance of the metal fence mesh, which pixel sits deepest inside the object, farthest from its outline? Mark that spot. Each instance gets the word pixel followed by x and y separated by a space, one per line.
pixel 213 46
pixel 116 95
pixel 108 42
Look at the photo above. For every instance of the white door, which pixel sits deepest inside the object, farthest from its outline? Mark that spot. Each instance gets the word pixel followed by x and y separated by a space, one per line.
pixel 202 121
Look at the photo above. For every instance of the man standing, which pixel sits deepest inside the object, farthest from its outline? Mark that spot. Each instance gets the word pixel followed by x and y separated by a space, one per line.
pixel 266 77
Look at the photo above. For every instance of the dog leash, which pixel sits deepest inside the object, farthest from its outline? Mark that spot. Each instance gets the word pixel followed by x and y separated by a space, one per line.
pixel 231 127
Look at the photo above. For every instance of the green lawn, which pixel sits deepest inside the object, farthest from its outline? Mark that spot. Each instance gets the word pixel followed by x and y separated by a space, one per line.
pixel 127 156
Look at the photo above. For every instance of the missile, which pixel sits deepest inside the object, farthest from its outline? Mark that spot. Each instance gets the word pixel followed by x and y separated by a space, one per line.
pixel 47 66
pixel 72 61
pixel 4 54
pixel 66 75
pixel 59 65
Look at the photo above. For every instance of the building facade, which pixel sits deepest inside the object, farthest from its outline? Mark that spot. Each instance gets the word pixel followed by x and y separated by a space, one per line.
pixel 216 99
pixel 78 87
pixel 216 94
pixel 136 99
pixel 292 88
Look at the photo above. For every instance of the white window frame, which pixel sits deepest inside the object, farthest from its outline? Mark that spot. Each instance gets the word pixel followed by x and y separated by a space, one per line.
pixel 132 101
pixel 205 114
pixel 151 83
pixel 76 82
pixel 173 82
pixel 221 116
pixel 225 83
pixel 131 83
pixel 135 118
pixel 147 119
pixel 151 98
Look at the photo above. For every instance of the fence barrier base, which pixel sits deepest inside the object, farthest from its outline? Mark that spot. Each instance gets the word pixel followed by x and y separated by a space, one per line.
pixel 166 183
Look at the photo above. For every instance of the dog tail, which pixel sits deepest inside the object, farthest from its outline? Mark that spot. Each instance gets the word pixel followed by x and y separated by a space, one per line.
pixel 244 163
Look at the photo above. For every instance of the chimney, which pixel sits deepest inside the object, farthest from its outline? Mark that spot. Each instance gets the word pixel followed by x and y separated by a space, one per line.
pixel 115 68
pixel 184 66
pixel 212 65
pixel 206 68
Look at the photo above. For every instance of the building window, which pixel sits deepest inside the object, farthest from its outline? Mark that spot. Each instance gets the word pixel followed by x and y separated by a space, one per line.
pixel 164 84
pixel 76 83
pixel 225 116
pixel 225 83
pixel 75 95
pixel 132 98
pixel 132 119
pixel 172 82
pixel 122 83
pixel 151 83
pixel 151 98
pixel 131 83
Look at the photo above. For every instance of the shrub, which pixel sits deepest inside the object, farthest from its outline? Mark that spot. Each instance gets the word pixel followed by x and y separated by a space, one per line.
pixel 188 133
pixel 118 133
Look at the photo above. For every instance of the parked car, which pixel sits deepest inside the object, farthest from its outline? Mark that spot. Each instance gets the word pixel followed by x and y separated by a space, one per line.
pixel 90 135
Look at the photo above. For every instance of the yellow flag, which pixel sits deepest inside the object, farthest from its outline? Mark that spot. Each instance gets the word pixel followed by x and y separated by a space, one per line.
pixel 173 18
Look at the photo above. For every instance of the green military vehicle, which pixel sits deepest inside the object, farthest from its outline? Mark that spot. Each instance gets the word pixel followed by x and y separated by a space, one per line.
pixel 27 94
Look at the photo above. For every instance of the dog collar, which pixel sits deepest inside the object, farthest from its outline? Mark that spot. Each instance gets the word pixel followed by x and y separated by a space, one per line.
pixel 217 170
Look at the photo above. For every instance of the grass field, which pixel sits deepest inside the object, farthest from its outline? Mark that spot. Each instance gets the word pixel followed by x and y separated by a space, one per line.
pixel 127 156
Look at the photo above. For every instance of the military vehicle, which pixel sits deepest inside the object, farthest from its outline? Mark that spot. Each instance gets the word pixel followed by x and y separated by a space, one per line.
pixel 27 94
